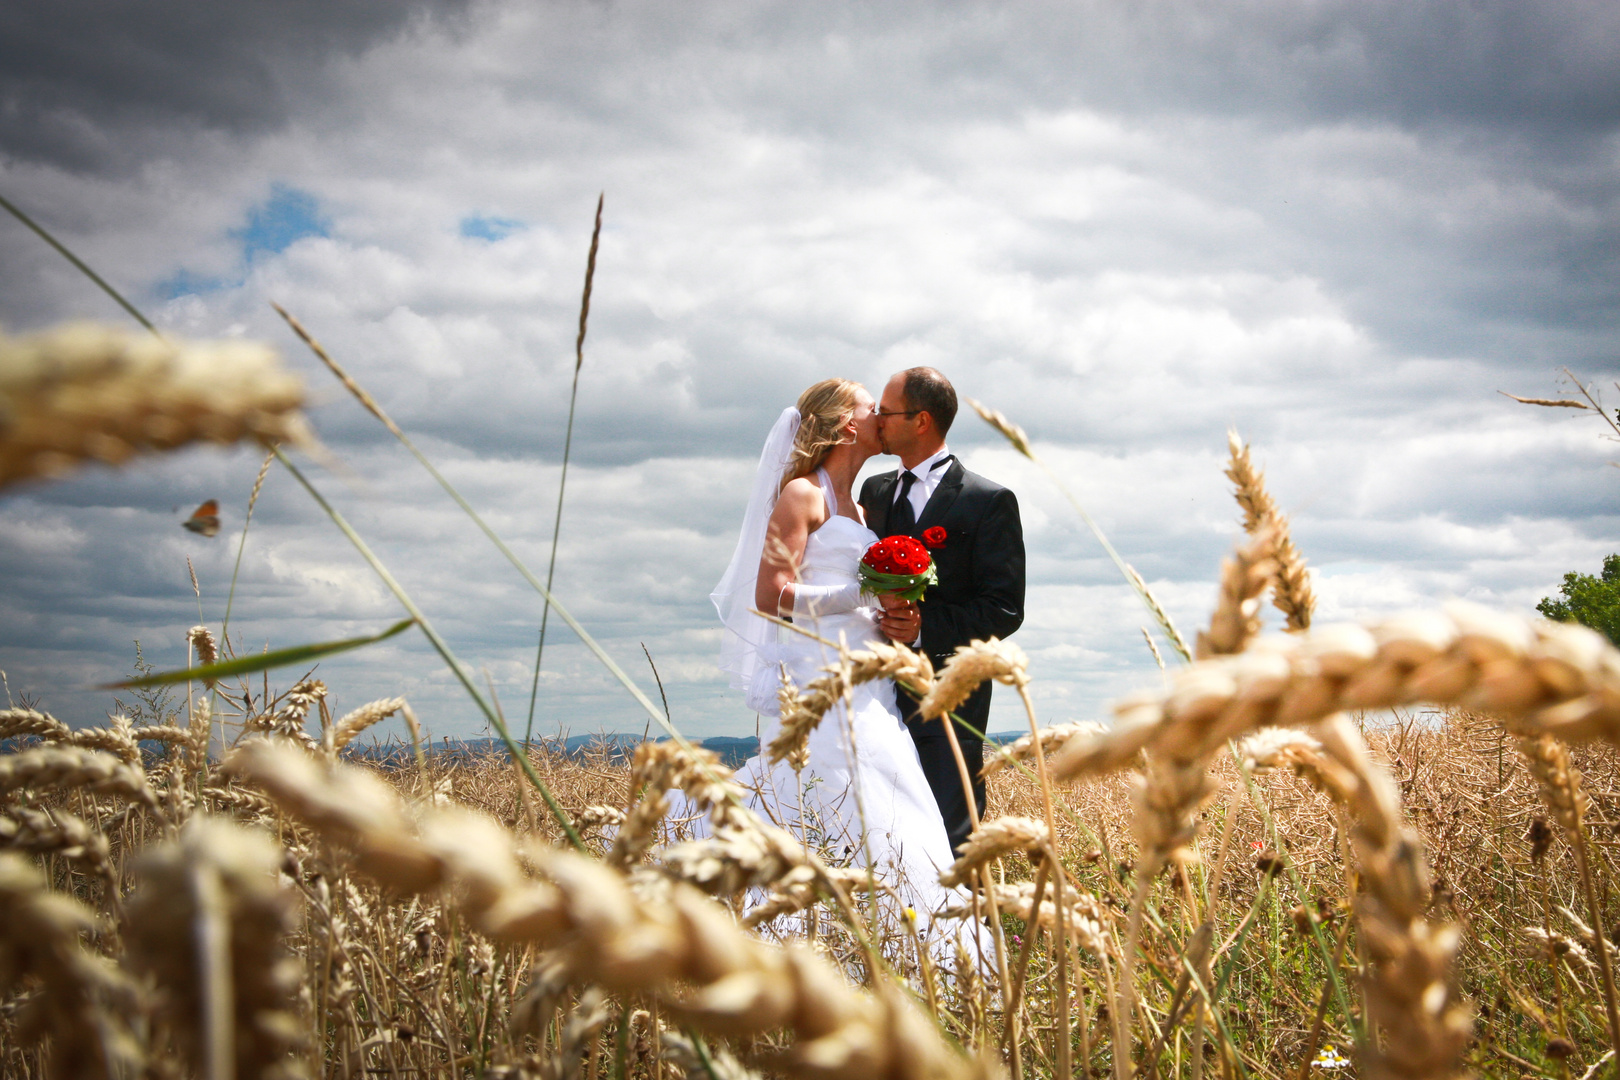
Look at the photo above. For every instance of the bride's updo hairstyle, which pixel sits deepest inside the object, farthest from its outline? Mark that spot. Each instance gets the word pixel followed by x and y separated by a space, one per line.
pixel 823 410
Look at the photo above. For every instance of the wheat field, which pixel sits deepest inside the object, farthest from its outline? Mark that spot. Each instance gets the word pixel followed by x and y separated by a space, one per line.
pixel 1380 851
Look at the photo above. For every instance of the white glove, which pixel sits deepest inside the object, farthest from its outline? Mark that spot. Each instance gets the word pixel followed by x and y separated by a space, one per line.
pixel 810 601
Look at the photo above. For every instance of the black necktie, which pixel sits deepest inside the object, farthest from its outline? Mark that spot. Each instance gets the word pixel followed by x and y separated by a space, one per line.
pixel 903 521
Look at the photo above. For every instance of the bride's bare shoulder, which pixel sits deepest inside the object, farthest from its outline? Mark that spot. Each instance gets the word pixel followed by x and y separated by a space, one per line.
pixel 801 499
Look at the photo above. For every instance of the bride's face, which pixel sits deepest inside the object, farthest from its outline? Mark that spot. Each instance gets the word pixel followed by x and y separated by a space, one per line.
pixel 866 423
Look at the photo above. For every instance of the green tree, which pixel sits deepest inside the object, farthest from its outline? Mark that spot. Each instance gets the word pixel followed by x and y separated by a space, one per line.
pixel 1590 601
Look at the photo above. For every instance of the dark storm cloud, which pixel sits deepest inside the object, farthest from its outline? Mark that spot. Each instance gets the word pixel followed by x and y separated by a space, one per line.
pixel 77 76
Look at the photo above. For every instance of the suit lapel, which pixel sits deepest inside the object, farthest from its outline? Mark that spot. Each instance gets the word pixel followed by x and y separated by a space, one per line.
pixel 942 498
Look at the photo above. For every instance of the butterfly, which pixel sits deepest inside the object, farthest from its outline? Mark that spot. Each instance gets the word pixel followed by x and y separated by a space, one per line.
pixel 205 520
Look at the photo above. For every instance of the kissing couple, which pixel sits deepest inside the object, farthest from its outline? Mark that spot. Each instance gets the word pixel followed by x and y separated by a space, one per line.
pixel 881 788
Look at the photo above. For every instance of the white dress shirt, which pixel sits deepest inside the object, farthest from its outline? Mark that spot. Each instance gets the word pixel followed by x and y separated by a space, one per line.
pixel 927 481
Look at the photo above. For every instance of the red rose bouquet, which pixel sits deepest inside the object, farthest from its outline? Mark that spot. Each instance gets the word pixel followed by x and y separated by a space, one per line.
pixel 897 566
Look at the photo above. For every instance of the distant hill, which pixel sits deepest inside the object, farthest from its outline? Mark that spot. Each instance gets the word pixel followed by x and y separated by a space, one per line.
pixel 614 746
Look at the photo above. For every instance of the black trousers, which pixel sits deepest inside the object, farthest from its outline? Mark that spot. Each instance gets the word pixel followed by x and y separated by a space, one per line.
pixel 939 765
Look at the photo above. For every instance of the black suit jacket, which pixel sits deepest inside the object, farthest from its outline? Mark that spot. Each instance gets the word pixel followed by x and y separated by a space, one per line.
pixel 981 570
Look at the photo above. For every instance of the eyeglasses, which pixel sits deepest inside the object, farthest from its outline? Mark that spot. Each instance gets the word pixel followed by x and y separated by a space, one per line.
pixel 907 413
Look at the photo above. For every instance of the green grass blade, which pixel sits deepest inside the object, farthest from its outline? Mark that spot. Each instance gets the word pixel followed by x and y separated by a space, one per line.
pixel 456 667
pixel 244 665
pixel 61 249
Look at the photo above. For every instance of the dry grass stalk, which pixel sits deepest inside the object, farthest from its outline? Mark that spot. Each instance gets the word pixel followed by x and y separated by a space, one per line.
pixel 72 767
pixel 972 664
pixel 802 711
pixel 605 933
pixel 83 392
pixel 1009 430
pixel 991 840
pixel 1557 678
pixel 1292 594
pixel 86 1000
pixel 1161 616
pixel 1236 619
pixel 209 921
pixel 1048 739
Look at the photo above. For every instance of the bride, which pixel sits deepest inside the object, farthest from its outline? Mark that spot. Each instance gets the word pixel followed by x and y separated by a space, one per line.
pixel 863 798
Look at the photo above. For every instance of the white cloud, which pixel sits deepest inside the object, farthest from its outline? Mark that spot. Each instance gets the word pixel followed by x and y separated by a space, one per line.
pixel 1333 229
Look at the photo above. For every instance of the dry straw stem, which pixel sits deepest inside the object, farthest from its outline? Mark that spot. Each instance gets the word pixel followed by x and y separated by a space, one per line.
pixel 991 840
pixel 681 948
pixel 85 999
pixel 1292 593
pixel 1236 619
pixel 72 767
pixel 1537 676
pixel 209 922
pixel 802 711
pixel 83 392
pixel 972 664
pixel 1050 740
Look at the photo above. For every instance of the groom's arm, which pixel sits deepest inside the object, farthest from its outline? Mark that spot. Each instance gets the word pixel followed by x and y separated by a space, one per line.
pixel 996 606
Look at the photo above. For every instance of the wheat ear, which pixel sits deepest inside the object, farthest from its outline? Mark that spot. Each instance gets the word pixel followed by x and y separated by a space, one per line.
pixel 1047 740
pixel 86 1002
pixel 56 832
pixel 72 767
pixel 1292 593
pixel 1538 677
pixel 1561 789
pixel 209 921
pixel 90 393
pixel 802 711
pixel 974 663
pixel 1236 619
pixel 351 724
pixel 14 722
pixel 991 840
pixel 679 946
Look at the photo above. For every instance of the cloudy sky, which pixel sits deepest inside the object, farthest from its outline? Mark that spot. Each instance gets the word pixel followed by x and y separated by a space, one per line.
pixel 1340 228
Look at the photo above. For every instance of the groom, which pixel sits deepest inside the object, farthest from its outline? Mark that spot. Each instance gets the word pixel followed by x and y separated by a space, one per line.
pixel 980 564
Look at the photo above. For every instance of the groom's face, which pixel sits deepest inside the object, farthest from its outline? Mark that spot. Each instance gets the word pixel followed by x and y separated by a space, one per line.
pixel 897 431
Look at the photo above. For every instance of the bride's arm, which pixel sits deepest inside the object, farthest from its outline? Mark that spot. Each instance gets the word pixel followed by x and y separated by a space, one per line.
pixel 799 510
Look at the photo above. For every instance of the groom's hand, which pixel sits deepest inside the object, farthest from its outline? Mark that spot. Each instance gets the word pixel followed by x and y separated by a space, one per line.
pixel 902 620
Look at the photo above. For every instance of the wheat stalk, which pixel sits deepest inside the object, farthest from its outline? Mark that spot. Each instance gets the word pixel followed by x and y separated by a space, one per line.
pixel 351 724
pixel 57 832
pixel 802 711
pixel 974 663
pixel 72 767
pixel 82 392
pixel 14 722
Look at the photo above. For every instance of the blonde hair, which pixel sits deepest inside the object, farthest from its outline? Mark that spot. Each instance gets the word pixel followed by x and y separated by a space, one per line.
pixel 823 411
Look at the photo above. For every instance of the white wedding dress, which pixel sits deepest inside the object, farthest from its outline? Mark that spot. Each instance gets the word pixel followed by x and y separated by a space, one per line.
pixel 863 800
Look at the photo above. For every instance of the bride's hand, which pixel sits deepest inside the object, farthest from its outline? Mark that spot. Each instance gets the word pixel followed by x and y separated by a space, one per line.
pixel 902 620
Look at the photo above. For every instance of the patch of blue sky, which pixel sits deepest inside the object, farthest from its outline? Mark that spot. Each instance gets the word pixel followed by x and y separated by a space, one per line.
pixel 286 217
pixel 483 227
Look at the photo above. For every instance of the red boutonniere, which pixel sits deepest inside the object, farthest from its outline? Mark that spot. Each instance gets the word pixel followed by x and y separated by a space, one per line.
pixel 934 537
